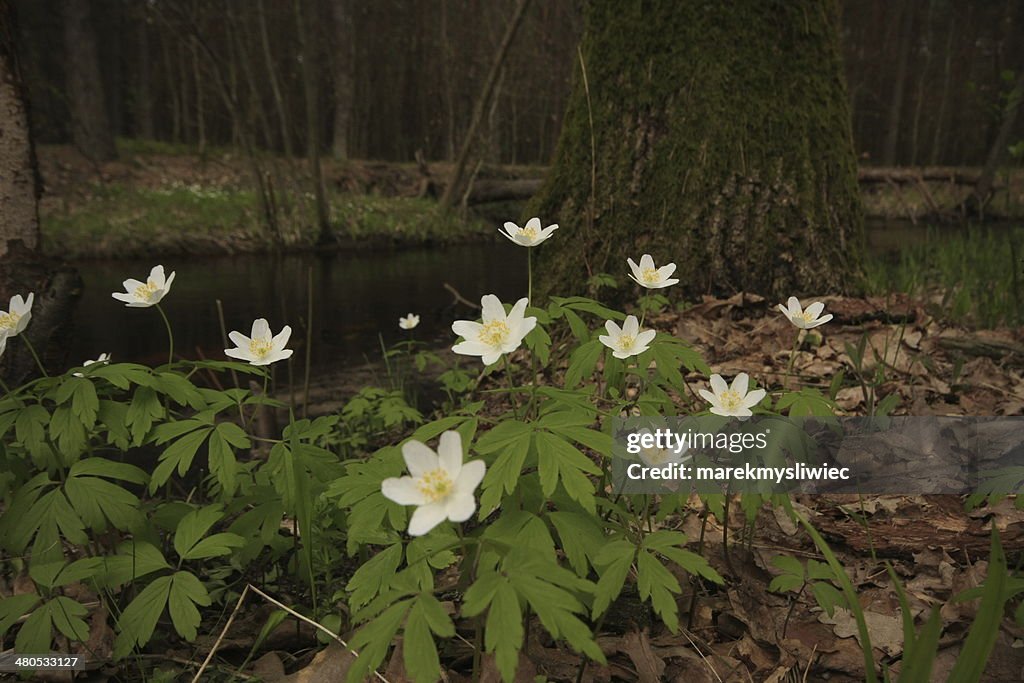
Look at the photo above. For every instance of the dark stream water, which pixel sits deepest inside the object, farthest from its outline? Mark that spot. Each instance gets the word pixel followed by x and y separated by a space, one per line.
pixel 356 296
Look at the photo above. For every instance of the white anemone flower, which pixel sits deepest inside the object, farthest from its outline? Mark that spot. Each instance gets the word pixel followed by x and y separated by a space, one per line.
pixel 659 457
pixel 262 348
pixel 145 294
pixel 629 340
pixel 103 359
pixel 804 318
pixel 441 486
pixel 15 319
pixel 497 333
pixel 409 322
pixel 732 401
pixel 649 276
pixel 530 235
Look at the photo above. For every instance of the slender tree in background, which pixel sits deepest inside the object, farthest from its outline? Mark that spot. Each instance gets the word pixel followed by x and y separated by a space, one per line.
pixel 455 185
pixel 90 125
pixel 904 38
pixel 305 13
pixel 982 192
pixel 716 135
pixel 19 180
pixel 344 57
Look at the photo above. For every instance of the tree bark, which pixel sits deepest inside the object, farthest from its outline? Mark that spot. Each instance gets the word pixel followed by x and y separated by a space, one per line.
pixel 715 135
pixel 904 40
pixel 90 122
pixel 275 87
pixel 344 65
pixel 454 188
pixel 19 179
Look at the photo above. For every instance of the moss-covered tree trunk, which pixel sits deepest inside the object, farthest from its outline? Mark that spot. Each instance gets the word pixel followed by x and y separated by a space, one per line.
pixel 720 140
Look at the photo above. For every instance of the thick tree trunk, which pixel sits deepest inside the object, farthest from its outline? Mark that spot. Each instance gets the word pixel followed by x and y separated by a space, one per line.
pixel 720 139
pixel 21 269
pixel 19 181
pixel 90 123
pixel 344 68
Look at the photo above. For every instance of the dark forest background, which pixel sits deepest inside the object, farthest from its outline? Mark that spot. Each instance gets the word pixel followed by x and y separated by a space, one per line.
pixel 928 80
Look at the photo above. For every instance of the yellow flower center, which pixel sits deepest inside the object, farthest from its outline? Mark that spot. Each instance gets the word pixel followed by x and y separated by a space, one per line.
pixel 9 321
pixel 259 348
pixel 494 332
pixel 626 342
pixel 435 485
pixel 145 291
pixel 806 317
pixel 731 400
pixel 529 233
pixel 657 456
pixel 649 275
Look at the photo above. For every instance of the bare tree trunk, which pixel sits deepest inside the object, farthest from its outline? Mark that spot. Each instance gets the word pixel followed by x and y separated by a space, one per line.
pixel 454 188
pixel 303 16
pixel 983 189
pixel 275 87
pixel 904 40
pixel 197 78
pixel 19 181
pixel 344 63
pixel 940 117
pixel 91 129
pixel 144 91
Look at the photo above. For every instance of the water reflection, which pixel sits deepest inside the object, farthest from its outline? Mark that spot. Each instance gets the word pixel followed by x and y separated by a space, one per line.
pixel 355 296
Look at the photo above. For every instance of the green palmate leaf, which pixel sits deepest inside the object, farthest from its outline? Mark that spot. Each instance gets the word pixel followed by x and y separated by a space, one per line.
pixel 503 630
pixel 112 416
pixel 659 586
pixel 30 430
pixel 806 402
pixel 123 375
pixel 68 433
pixel 792 577
pixel 419 650
pixel 582 362
pixel 374 575
pixel 97 500
pixel 582 538
pixel 373 640
pixel 508 467
pixel 613 563
pixel 139 618
pixel 558 460
pixel 36 632
pixel 222 458
pixel 134 559
pixel 581 303
pixel 188 537
pixel 66 614
pixel 178 456
pixel 432 430
pixel 539 342
pixel 181 391
pixel 186 592
pixel 14 607
pixel 145 408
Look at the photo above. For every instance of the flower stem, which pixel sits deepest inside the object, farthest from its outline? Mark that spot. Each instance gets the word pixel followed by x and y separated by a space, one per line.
pixel 529 275
pixel 170 334
pixel 792 357
pixel 32 350
pixel 511 388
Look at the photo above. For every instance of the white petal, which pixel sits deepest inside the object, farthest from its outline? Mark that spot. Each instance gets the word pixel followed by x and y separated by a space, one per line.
pixel 533 223
pixel 740 383
pixel 460 506
pixel 419 458
pixel 471 348
pixel 121 296
pixel 794 305
pixel 815 309
pixel 546 232
pixel 526 327
pixel 470 477
pixel 753 398
pixel 624 354
pixel 614 330
pixel 130 285
pixel 261 329
pixel 282 337
pixel 716 410
pixel 708 396
pixel 29 300
pixel 467 329
pixel 511 237
pixel 491 308
pixel 449 453
pixel 402 490
pixel 718 384
pixel 646 262
pixel 240 353
pixel 426 518
pixel 167 285
pixel 156 276
pixel 518 311
pixel 239 339
pixel 511 227
pixel 274 356
pixel 783 310
pixel 491 357
pixel 608 341
pixel 669 283
pixel 631 326
pixel 646 337
pixel 635 268
pixel 821 321
pixel 665 272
